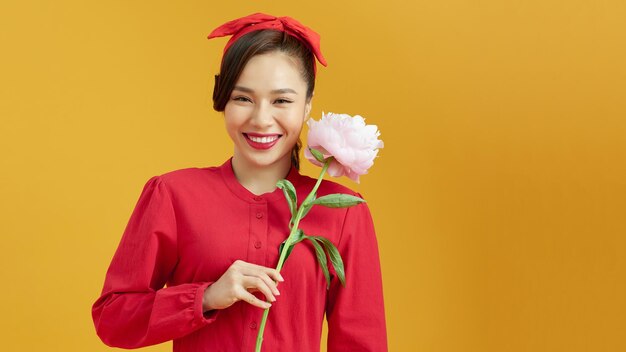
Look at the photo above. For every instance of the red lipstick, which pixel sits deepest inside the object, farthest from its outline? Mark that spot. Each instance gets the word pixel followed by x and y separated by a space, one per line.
pixel 261 141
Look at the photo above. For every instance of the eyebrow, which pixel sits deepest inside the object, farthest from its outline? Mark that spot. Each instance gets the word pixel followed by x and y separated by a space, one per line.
pixel 275 91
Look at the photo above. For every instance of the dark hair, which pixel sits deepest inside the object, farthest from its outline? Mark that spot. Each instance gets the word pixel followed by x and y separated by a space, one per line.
pixel 256 43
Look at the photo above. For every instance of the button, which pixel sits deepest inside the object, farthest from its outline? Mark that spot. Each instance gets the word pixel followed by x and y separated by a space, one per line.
pixel 259 215
pixel 257 244
pixel 253 325
pixel 257 198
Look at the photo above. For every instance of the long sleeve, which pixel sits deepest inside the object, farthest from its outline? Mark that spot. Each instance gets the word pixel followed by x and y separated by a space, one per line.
pixel 355 313
pixel 135 309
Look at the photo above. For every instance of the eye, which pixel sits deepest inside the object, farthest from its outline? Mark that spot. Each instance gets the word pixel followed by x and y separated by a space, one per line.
pixel 283 101
pixel 241 98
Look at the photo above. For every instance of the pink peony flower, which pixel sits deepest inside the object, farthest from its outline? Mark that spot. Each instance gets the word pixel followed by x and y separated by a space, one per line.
pixel 351 142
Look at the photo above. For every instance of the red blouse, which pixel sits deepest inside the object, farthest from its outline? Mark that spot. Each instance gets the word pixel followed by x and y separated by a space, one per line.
pixel 190 225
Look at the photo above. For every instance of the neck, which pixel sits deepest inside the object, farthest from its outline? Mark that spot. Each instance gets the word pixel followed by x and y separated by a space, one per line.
pixel 260 179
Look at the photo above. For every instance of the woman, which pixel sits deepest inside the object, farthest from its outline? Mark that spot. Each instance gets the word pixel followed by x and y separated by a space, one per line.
pixel 195 262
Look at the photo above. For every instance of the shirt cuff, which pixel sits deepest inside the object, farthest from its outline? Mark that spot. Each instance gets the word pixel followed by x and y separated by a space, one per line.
pixel 201 316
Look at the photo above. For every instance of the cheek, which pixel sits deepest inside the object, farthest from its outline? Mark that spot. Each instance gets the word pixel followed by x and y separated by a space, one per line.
pixel 234 115
pixel 293 124
pixel 232 128
pixel 294 118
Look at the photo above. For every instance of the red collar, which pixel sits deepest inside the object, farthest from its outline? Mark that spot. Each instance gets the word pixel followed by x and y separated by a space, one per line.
pixel 240 191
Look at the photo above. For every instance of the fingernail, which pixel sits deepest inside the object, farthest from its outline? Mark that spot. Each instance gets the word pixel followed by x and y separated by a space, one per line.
pixel 280 277
pixel 277 293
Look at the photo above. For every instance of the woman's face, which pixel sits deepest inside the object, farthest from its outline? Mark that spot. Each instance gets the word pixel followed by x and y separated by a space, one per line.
pixel 266 110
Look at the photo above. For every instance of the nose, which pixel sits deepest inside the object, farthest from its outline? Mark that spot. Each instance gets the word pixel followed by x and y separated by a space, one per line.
pixel 262 116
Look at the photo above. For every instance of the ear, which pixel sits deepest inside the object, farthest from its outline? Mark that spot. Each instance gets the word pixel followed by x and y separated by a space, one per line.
pixel 307 109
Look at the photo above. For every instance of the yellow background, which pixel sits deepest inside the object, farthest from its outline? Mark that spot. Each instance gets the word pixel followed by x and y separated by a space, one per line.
pixel 498 200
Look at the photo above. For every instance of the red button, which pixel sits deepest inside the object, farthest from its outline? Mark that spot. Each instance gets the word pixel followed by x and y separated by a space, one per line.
pixel 257 198
pixel 257 244
pixel 259 215
pixel 253 325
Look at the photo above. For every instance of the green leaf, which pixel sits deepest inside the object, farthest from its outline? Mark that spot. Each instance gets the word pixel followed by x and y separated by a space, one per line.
pixel 335 257
pixel 290 194
pixel 317 154
pixel 308 204
pixel 321 257
pixel 338 200
pixel 299 236
pixel 306 210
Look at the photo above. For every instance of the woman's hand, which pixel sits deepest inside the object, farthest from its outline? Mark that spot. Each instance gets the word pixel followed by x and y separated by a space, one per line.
pixel 237 283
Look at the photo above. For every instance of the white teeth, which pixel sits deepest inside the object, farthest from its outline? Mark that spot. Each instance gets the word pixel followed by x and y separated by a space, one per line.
pixel 263 139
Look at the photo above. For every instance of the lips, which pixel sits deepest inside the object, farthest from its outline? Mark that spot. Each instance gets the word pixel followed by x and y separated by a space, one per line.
pixel 260 140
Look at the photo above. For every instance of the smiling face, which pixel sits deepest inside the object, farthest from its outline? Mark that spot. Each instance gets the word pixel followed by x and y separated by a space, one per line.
pixel 266 110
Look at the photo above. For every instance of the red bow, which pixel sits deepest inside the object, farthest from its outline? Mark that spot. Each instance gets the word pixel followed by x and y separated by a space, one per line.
pixel 247 24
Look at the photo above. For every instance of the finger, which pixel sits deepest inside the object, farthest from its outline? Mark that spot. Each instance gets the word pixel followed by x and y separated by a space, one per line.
pixel 255 282
pixel 255 270
pixel 250 298
pixel 270 283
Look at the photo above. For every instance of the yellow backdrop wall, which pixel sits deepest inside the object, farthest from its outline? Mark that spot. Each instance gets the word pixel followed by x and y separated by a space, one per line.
pixel 498 200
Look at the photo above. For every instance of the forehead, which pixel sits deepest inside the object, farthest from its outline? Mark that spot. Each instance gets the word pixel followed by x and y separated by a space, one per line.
pixel 269 71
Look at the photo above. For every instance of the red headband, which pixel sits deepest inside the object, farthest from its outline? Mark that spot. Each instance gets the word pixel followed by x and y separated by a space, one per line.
pixel 247 24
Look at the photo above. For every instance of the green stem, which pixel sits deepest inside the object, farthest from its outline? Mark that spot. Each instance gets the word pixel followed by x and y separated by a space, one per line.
pixel 288 243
